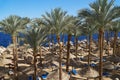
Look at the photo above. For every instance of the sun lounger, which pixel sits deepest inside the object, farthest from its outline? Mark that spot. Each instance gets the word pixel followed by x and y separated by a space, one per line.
pixel 74 71
pixel 104 60
pixel 30 78
pixel 63 64
pixel 85 65
pixel 81 59
pixel 116 78
pixel 38 78
pixel 44 76
pixel 117 68
pixel 92 65
pixel 106 74
pixel 69 73
pixel 54 65
pixel 2 78
pixel 96 60
pixel 10 72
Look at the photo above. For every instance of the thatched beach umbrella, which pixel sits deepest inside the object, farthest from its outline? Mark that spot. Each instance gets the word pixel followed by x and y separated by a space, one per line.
pixel 89 73
pixel 1 76
pixel 109 66
pixel 92 57
pixel 50 56
pixel 5 61
pixel 50 60
pixel 2 49
pixel 81 52
pixel 114 59
pixel 55 75
pixel 40 73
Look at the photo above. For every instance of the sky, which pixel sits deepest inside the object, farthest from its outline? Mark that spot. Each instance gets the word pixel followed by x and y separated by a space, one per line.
pixel 36 8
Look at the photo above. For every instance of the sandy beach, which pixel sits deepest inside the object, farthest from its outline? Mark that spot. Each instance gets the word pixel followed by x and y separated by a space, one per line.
pixel 50 63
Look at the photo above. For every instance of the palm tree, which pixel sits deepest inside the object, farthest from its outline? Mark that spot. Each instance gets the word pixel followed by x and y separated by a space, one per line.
pixel 115 28
pixel 13 25
pixel 35 36
pixel 56 20
pixel 40 23
pixel 77 32
pixel 103 12
pixel 69 29
pixel 89 28
pixel 50 32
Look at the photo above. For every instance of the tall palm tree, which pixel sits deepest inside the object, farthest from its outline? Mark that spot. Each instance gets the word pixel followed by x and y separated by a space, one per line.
pixel 77 32
pixel 69 29
pixel 56 20
pixel 13 25
pixel 103 13
pixel 40 23
pixel 115 28
pixel 89 28
pixel 35 36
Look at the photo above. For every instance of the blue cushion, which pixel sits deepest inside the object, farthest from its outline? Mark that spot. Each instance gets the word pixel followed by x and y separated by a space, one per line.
pixel 104 60
pixel 93 65
pixel 30 78
pixel 85 65
pixel 63 64
pixel 44 76
pixel 69 72
pixel 74 71
pixel 106 74
pixel 81 59
pixel 53 65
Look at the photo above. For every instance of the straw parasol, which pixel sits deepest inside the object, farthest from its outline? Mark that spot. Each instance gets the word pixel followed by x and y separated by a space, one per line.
pixel 2 49
pixel 50 56
pixel 114 59
pixel 55 75
pixel 40 73
pixel 92 57
pixel 109 66
pixel 1 76
pixel 5 61
pixel 89 73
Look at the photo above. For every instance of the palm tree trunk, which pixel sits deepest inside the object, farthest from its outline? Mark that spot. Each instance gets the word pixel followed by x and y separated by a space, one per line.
pixel 115 40
pixel 15 57
pixel 68 53
pixel 108 42
pixel 101 33
pixel 49 38
pixel 63 39
pixel 110 37
pixel 76 46
pixel 35 63
pixel 107 37
pixel 90 40
pixel 87 43
pixel 99 41
pixel 41 57
pixel 60 61
pixel 52 41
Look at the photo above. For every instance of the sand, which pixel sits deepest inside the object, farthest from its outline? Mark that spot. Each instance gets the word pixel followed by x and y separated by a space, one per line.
pixel 26 68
